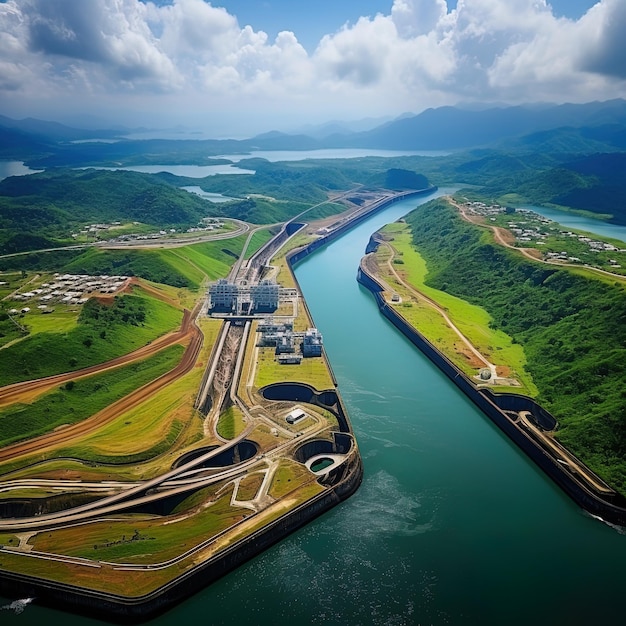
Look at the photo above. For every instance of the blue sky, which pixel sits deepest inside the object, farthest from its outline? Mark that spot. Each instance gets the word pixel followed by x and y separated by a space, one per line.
pixel 311 20
pixel 236 67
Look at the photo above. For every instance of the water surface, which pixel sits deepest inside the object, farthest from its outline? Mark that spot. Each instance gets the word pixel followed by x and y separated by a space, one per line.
pixel 15 168
pixel 329 153
pixel 578 222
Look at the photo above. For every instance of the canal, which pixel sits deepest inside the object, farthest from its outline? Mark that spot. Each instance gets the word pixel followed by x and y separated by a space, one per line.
pixel 452 525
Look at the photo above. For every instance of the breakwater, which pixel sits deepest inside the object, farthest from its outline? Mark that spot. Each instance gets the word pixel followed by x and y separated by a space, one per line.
pixel 611 507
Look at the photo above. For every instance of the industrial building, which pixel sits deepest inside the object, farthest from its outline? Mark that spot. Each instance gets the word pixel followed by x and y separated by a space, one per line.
pixel 223 296
pixel 244 299
pixel 265 296
pixel 295 416
pixel 282 337
pixel 312 343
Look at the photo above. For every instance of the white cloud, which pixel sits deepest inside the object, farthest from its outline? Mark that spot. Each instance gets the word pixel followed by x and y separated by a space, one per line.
pixel 417 17
pixel 420 54
pixel 605 43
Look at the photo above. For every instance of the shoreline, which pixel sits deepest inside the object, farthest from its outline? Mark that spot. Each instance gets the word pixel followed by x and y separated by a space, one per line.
pixel 586 492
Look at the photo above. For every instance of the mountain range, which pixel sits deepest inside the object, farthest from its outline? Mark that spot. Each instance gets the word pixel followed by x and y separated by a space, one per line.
pixel 585 127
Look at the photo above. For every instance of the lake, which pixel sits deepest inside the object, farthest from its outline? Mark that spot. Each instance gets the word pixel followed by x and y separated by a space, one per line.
pixel 329 153
pixel 14 168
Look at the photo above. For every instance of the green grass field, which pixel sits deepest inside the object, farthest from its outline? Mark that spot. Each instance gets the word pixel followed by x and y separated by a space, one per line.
pixel 75 401
pixel 259 238
pixel 79 345
pixel 312 371
pixel 113 541
pixel 153 434
pixel 473 321
pixel 230 423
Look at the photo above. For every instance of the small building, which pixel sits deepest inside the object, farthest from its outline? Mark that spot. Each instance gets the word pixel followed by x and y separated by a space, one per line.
pixel 293 417
pixel 289 359
pixel 312 343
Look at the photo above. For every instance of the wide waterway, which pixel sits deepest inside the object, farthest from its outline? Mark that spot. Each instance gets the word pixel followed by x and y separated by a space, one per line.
pixel 452 525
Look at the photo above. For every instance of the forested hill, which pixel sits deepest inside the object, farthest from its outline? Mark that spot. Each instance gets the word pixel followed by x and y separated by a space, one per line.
pixel 595 183
pixel 572 328
pixel 39 210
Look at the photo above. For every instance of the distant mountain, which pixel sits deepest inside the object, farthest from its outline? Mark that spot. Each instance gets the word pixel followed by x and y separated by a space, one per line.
pixel 567 130
pixel 53 131
pixel 275 140
pixel 448 128
pixel 321 131
pixel 16 144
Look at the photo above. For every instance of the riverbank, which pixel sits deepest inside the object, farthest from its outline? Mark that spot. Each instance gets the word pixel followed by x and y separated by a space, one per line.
pixel 580 483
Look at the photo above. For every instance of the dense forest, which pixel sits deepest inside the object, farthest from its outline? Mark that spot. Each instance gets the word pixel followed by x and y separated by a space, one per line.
pixel 572 327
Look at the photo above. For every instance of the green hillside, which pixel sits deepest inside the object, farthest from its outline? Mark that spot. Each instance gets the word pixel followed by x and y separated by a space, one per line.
pixel 572 328
pixel 100 333
pixel 39 210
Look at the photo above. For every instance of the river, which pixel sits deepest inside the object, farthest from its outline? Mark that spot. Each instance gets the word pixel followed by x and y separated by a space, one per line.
pixel 452 525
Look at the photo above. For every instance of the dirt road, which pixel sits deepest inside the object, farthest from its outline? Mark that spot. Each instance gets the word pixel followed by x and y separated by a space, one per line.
pixel 189 332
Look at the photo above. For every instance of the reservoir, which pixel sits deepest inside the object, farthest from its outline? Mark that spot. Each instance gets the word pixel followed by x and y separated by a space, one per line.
pixel 328 153
pixel 452 524
pixel 579 222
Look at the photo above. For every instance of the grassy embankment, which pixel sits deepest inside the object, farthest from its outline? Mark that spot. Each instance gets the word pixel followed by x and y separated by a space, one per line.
pixel 138 443
pixel 572 328
pixel 75 401
pixel 230 423
pixel 472 321
pixel 100 332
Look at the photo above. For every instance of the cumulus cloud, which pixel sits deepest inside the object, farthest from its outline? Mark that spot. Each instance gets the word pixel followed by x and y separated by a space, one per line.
pixel 422 53
pixel 417 17
pixel 606 43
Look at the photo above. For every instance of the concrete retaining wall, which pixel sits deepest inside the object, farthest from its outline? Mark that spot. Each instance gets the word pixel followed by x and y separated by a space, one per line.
pixel 609 508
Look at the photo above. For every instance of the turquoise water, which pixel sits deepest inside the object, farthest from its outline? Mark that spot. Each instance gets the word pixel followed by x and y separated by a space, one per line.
pixel 589 224
pixel 452 525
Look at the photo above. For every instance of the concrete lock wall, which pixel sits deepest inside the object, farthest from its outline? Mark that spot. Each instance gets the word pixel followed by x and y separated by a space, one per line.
pixel 611 508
